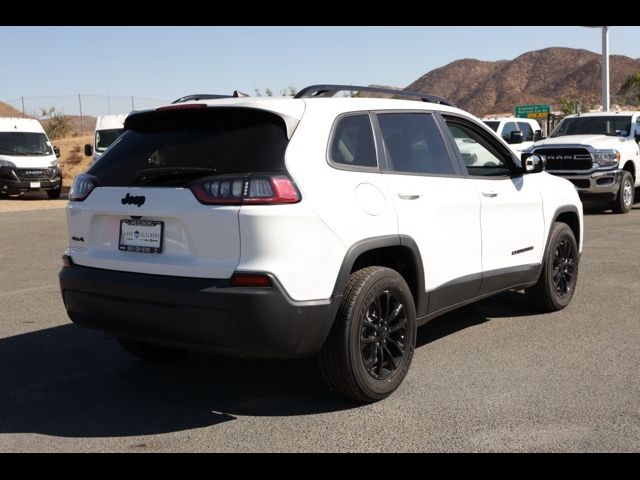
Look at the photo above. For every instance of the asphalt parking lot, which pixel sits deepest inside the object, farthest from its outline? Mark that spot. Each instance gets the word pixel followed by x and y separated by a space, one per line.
pixel 496 376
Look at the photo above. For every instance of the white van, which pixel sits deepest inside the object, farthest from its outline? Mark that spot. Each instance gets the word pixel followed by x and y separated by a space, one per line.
pixel 108 129
pixel 28 161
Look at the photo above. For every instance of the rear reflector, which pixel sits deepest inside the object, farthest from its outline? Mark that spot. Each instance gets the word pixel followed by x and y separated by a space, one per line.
pixel 250 280
pixel 67 261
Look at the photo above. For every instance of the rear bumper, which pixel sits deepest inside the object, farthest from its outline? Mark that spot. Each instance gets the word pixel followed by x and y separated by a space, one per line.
pixel 246 322
pixel 10 183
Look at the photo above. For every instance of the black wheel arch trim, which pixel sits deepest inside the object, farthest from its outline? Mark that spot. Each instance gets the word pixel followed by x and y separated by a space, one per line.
pixel 374 243
pixel 559 211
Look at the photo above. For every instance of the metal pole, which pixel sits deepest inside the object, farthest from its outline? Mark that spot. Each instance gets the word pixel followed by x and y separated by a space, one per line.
pixel 133 107
pixel 23 114
pixel 605 69
pixel 108 104
pixel 81 118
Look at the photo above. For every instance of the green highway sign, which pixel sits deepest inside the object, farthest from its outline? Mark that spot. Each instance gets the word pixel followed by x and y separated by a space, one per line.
pixel 538 110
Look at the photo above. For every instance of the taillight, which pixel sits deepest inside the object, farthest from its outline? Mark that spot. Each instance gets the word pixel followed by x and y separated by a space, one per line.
pixel 219 191
pixel 82 186
pixel 250 280
pixel 252 190
pixel 185 106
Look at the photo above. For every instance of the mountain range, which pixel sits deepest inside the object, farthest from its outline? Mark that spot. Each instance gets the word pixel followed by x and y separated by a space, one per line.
pixel 540 76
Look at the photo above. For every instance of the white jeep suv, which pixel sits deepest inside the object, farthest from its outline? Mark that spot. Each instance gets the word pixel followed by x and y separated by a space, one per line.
pixel 292 227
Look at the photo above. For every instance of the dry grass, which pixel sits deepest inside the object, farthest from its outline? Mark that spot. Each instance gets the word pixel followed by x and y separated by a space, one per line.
pixel 72 159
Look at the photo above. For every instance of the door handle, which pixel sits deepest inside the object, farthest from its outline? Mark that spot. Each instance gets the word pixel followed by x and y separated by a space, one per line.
pixel 409 196
pixel 490 194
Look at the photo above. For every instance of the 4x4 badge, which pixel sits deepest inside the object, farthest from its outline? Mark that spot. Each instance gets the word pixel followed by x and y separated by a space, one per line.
pixel 133 200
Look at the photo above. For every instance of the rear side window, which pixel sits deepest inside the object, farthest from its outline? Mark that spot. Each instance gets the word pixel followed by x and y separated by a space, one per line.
pixel 174 147
pixel 508 128
pixel 352 142
pixel 414 144
pixel 527 132
pixel 104 138
pixel 492 125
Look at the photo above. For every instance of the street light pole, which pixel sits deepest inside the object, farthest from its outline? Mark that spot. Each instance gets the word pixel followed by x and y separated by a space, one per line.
pixel 605 69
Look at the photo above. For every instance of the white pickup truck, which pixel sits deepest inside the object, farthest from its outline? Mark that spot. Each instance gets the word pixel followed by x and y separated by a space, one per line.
pixel 519 133
pixel 598 153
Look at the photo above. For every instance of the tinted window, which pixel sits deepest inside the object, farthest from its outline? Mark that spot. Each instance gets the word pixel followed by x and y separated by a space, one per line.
pixel 605 125
pixel 170 145
pixel 414 144
pixel 480 157
pixel 527 132
pixel 508 128
pixel 492 125
pixel 352 143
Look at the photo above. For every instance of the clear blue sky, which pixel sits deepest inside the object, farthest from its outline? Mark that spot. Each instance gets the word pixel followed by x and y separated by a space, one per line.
pixel 168 62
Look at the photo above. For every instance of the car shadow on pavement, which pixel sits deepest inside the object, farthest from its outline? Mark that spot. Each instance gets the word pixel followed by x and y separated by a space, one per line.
pixel 597 208
pixel 504 305
pixel 70 382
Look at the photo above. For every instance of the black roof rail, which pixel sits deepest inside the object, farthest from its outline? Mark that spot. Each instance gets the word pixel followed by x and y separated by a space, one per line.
pixel 330 90
pixel 208 96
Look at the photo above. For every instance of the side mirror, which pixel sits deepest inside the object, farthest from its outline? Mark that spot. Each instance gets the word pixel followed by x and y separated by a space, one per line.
pixel 56 150
pixel 537 135
pixel 516 137
pixel 88 150
pixel 637 136
pixel 532 163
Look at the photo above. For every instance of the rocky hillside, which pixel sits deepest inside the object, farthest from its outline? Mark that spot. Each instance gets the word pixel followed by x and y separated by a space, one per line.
pixel 7 110
pixel 541 76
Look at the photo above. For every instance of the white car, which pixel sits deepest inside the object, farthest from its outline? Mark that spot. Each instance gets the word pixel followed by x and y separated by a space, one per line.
pixel 599 153
pixel 28 161
pixel 519 133
pixel 108 129
pixel 292 227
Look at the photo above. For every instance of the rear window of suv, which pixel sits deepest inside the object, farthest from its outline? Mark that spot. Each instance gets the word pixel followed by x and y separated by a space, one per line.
pixel 174 147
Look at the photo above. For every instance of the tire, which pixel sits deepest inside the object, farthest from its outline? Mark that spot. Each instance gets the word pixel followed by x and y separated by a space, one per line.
pixel 624 200
pixel 148 351
pixel 54 194
pixel 358 326
pixel 556 285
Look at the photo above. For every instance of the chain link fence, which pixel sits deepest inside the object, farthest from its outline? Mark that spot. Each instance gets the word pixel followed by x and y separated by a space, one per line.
pixel 83 106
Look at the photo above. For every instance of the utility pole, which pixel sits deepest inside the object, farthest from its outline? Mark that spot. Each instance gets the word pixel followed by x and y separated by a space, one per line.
pixel 81 118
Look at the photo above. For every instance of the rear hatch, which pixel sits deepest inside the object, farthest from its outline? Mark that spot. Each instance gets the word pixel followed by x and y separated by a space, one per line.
pixel 143 208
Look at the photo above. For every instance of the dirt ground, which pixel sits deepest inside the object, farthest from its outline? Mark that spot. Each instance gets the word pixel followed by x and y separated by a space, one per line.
pixel 72 159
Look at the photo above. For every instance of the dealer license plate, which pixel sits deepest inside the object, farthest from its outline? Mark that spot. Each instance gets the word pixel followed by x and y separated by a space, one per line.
pixel 144 236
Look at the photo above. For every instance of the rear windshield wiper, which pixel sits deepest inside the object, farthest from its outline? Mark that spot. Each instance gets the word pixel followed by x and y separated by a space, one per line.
pixel 147 175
